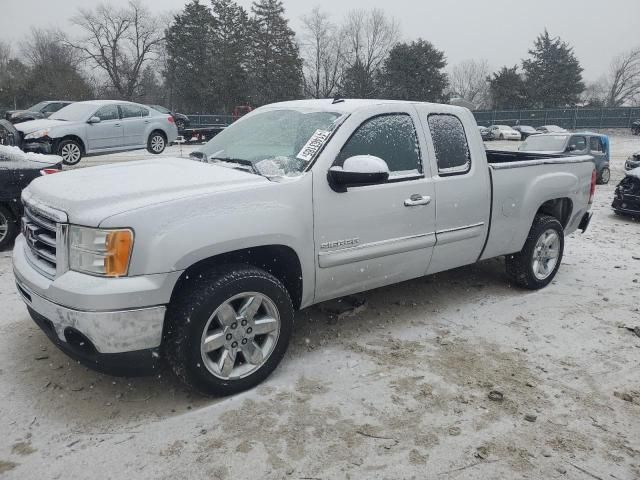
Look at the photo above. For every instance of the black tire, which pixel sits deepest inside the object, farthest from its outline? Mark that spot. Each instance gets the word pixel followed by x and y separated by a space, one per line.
pixel 8 227
pixel 501 136
pixel 520 266
pixel 156 142
pixel 70 151
pixel 192 308
pixel 604 176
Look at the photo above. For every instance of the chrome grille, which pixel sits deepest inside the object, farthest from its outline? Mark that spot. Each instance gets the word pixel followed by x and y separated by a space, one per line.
pixel 41 236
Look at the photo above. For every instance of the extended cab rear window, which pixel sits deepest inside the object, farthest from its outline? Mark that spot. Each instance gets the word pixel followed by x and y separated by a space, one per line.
pixel 450 144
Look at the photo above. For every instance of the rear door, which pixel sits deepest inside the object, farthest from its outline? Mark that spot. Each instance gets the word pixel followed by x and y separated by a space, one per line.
pixel 462 187
pixel 374 235
pixel 108 133
pixel 134 122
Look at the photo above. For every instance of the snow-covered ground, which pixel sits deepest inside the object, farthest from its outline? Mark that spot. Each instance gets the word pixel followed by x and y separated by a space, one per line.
pixel 397 390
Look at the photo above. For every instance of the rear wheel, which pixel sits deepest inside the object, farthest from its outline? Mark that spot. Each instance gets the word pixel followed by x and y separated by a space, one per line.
pixel 70 151
pixel 228 331
pixel 156 143
pixel 605 176
pixel 536 265
pixel 8 227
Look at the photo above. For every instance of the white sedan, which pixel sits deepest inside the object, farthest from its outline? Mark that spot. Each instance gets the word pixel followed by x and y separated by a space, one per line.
pixel 504 132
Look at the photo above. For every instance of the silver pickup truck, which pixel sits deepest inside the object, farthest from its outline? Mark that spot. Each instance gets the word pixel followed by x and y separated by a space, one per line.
pixel 203 263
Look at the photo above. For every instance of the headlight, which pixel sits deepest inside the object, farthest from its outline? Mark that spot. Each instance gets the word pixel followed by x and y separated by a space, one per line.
pixel 100 252
pixel 37 134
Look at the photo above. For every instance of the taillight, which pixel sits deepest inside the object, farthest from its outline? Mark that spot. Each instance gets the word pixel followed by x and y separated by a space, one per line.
pixel 593 187
pixel 171 119
pixel 49 171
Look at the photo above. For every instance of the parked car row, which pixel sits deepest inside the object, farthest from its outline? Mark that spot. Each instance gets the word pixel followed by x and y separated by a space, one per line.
pixel 518 132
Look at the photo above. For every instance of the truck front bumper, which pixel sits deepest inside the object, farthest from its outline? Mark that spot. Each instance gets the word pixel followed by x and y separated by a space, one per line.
pixel 77 313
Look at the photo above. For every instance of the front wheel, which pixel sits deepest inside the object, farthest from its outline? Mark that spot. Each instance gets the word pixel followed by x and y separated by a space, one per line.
pixel 536 265
pixel 227 331
pixel 605 176
pixel 156 143
pixel 70 151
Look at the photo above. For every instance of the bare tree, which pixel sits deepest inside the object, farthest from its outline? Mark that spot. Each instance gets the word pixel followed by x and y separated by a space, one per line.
pixel 468 80
pixel 369 35
pixel 119 42
pixel 322 45
pixel 623 82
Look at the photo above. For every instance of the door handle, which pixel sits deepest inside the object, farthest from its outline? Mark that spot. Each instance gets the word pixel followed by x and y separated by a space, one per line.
pixel 117 125
pixel 417 200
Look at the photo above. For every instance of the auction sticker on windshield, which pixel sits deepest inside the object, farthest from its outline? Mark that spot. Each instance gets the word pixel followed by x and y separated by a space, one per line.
pixel 314 144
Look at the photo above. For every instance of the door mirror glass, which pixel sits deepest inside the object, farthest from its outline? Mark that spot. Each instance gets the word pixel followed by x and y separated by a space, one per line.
pixel 359 170
pixel 94 120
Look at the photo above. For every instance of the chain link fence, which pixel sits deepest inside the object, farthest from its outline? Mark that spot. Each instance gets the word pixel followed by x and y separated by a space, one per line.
pixel 570 118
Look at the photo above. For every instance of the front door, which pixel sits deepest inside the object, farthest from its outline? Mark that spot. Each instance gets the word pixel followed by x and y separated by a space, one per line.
pixel 374 235
pixel 108 133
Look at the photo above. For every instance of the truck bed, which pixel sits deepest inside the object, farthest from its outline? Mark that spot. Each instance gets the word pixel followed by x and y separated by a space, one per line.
pixel 520 181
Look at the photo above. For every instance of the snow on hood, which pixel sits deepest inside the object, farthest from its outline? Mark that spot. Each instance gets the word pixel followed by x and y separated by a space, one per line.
pixel 90 195
pixel 34 125
pixel 14 154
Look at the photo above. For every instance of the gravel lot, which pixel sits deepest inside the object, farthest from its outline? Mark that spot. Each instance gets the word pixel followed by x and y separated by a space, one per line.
pixel 397 389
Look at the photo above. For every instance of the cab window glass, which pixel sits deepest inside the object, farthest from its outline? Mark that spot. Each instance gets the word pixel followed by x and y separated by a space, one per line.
pixel 450 143
pixel 596 144
pixel 392 138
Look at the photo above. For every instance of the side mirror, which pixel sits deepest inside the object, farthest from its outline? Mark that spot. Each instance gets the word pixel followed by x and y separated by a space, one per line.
pixel 93 120
pixel 357 171
pixel 571 148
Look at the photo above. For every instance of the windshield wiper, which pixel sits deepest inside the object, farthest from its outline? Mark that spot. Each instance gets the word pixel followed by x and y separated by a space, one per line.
pixel 240 161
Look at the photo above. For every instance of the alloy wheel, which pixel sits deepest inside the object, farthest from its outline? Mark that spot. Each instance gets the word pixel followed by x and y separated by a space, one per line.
pixel 240 336
pixel 546 254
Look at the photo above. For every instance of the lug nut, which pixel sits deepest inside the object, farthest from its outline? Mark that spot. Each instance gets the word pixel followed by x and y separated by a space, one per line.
pixel 234 345
pixel 229 336
pixel 249 330
pixel 244 323
pixel 234 325
pixel 244 341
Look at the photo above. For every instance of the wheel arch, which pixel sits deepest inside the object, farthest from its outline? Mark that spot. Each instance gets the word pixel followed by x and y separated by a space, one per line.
pixel 559 208
pixel 279 260
pixel 75 138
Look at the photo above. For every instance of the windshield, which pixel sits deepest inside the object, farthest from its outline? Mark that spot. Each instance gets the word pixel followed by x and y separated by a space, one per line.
pixel 37 107
pixel 76 112
pixel 544 143
pixel 274 143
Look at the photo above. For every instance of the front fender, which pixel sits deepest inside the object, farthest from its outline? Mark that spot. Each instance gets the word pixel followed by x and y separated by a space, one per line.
pixel 172 236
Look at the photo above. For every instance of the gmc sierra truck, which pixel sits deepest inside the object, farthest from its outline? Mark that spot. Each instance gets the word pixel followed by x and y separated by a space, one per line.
pixel 203 263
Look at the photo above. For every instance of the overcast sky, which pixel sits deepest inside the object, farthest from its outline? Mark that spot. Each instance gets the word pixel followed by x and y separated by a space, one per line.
pixel 499 30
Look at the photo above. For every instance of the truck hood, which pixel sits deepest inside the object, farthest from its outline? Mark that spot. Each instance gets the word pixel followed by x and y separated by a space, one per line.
pixel 34 125
pixel 90 195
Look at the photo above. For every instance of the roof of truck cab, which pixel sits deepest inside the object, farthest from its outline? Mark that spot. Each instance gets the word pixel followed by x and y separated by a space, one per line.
pixel 351 105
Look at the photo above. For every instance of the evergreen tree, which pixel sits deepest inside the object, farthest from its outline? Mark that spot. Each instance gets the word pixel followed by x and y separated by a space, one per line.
pixel 508 90
pixel 358 82
pixel 190 45
pixel 275 63
pixel 231 39
pixel 553 73
pixel 414 71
